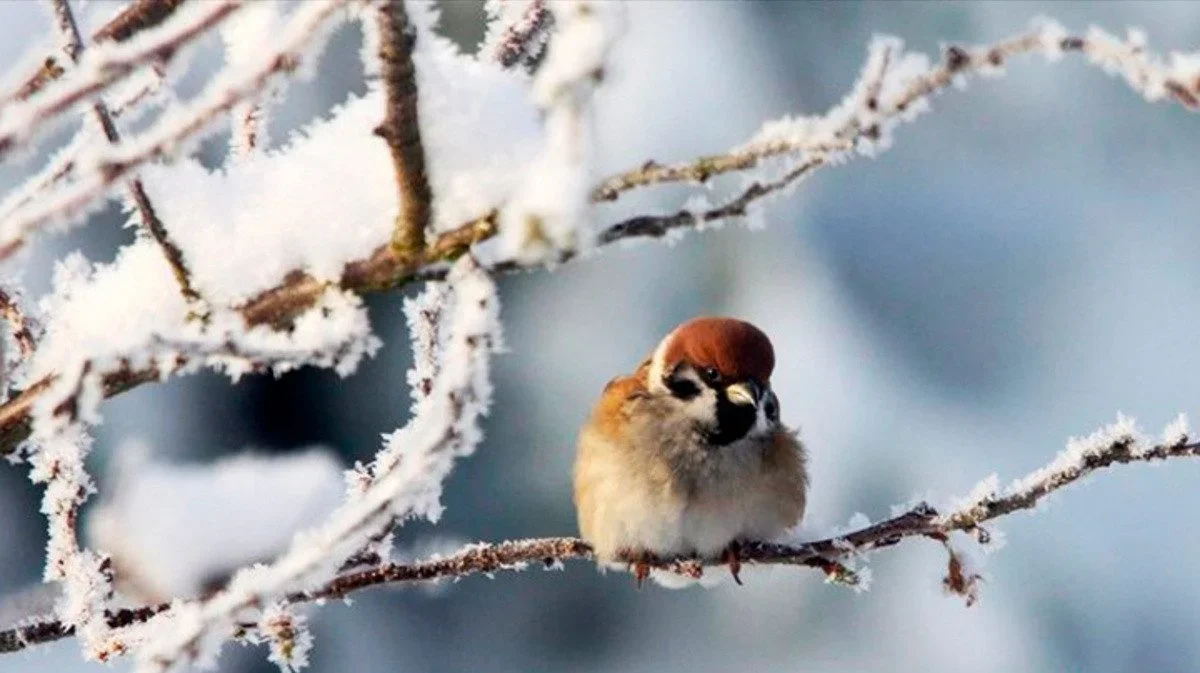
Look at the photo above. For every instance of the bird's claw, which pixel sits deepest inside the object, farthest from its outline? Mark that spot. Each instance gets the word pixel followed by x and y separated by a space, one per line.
pixel 641 570
pixel 732 556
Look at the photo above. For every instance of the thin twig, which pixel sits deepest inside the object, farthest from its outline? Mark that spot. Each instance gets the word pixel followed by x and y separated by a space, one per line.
pixel 68 30
pixel 137 16
pixel 956 61
pixel 524 41
pixel 401 130
pixel 20 326
pixel 163 138
pixel 105 68
pixel 920 521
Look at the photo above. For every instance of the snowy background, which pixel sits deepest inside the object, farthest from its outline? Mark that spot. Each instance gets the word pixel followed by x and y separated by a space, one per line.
pixel 1016 270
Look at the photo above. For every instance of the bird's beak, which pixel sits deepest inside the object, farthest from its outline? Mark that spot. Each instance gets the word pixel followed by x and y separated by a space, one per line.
pixel 745 393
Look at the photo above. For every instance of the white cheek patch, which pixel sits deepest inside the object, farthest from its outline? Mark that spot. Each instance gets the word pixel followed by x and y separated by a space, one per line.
pixel 702 407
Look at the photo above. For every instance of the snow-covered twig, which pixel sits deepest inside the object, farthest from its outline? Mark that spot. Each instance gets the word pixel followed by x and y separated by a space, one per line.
pixel 1114 445
pixel 400 128
pixel 103 67
pixel 895 87
pixel 138 15
pixel 549 213
pixel 20 327
pixel 68 31
pixel 100 171
pixel 518 32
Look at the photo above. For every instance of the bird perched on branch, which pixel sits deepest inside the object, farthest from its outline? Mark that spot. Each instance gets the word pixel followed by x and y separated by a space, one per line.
pixel 687 455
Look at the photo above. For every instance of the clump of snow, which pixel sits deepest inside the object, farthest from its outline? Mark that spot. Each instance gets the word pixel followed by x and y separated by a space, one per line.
pixel 154 329
pixel 175 530
pixel 549 211
pixel 1051 35
pixel 462 97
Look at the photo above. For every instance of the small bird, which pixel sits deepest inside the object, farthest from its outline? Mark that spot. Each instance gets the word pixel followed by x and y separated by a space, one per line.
pixel 687 456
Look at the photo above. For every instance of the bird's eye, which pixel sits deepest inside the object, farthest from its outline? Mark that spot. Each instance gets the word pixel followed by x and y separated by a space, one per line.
pixel 710 374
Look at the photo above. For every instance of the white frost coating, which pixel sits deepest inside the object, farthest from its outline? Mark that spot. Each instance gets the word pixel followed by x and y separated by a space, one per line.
pixel 243 36
pixel 423 314
pixel 154 329
pixel 1051 35
pixel 105 64
pixel 549 212
pixel 463 97
pixel 58 462
pixel 1176 432
pixel 1072 462
pixel 446 428
pixel 504 16
pixel 987 489
pixel 286 632
pixel 1145 73
pixel 179 126
pixel 293 202
pixel 163 545
pixel 1079 449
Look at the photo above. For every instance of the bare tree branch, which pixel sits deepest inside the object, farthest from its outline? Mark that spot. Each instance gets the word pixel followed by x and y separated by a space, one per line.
pixel 19 324
pixel 137 16
pixel 523 42
pixel 73 45
pixel 164 137
pixel 401 130
pixel 919 521
pixel 102 72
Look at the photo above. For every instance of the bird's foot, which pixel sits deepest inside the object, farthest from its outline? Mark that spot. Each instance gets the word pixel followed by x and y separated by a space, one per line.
pixel 732 556
pixel 640 567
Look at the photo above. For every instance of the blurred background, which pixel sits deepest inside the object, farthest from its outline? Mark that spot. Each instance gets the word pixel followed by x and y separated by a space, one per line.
pixel 1017 269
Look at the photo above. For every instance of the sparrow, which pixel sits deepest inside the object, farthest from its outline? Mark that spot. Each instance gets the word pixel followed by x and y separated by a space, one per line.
pixel 687 457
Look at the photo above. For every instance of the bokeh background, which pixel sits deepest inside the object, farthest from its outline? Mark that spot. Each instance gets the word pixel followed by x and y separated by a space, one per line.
pixel 1017 269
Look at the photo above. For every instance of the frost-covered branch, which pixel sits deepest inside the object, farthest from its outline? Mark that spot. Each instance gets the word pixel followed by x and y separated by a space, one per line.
pixel 21 328
pixel 104 66
pixel 68 31
pixel 518 32
pixel 177 126
pixel 894 87
pixel 400 127
pixel 136 16
pixel 1116 444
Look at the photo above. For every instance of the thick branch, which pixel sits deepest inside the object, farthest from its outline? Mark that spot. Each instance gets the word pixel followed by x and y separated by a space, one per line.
pixel 920 521
pixel 401 130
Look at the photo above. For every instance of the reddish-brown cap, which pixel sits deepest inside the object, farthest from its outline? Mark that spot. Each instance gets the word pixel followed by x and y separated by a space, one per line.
pixel 735 348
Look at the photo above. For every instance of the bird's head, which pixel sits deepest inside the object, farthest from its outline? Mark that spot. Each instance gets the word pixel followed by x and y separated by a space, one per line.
pixel 718 372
